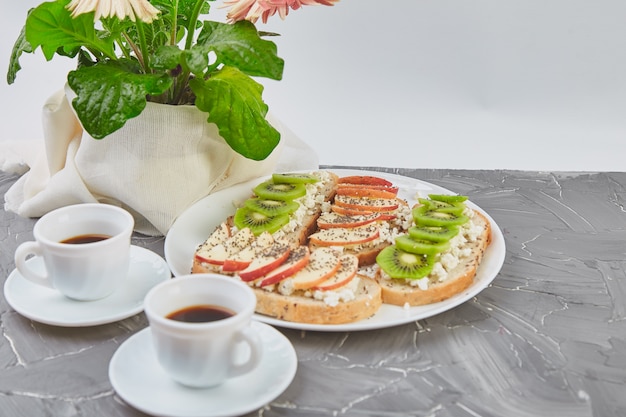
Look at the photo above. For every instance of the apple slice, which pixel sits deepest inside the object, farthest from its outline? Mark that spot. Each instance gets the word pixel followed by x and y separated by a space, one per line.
pixel 349 265
pixel 217 254
pixel 364 179
pixel 298 258
pixel 323 263
pixel 365 203
pixel 219 235
pixel 332 220
pixel 349 211
pixel 241 259
pixel 269 259
pixel 360 191
pixel 391 188
pixel 343 236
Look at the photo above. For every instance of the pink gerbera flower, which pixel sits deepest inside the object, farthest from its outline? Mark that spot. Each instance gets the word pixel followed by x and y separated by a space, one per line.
pixel 253 9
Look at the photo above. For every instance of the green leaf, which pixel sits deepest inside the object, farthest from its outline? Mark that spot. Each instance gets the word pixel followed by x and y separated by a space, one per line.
pixel 196 60
pixel 169 57
pixel 239 45
pixel 166 57
pixel 21 45
pixel 108 94
pixel 233 101
pixel 51 26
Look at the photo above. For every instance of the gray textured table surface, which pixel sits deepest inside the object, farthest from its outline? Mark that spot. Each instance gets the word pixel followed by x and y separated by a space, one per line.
pixel 548 337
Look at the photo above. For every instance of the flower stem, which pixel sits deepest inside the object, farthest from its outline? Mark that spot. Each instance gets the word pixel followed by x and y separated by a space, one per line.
pixel 145 62
pixel 184 77
pixel 174 13
pixel 192 23
pixel 134 48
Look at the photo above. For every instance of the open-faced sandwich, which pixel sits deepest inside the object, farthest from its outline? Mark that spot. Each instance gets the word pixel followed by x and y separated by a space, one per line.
pixel 322 249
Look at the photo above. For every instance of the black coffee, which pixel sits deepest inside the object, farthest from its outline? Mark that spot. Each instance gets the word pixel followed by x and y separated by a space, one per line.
pixel 201 314
pixel 90 238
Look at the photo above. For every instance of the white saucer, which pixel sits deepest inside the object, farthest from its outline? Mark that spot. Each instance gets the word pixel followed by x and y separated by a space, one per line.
pixel 48 306
pixel 138 378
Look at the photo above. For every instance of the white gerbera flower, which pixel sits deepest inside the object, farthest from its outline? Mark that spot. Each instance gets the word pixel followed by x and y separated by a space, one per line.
pixel 141 9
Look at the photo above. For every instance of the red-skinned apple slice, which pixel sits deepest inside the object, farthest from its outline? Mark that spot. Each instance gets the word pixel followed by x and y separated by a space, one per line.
pixel 298 258
pixel 217 254
pixel 333 220
pixel 243 258
pixel 364 179
pixel 349 211
pixel 323 263
pixel 391 188
pixel 360 191
pixel 268 260
pixel 220 235
pixel 345 236
pixel 364 203
pixel 349 264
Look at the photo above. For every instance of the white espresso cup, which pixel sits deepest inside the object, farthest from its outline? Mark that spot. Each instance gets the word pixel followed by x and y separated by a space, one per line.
pixel 81 271
pixel 202 353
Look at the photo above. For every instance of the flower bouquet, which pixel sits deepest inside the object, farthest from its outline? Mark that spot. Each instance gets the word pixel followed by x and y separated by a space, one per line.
pixel 171 99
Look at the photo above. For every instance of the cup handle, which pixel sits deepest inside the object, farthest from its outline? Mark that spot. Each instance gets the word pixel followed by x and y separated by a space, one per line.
pixel 250 337
pixel 21 253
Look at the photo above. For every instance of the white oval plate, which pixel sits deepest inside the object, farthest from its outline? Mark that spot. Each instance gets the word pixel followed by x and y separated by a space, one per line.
pixel 195 224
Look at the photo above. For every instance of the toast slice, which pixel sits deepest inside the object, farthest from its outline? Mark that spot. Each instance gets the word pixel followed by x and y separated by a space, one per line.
pixel 302 222
pixel 443 285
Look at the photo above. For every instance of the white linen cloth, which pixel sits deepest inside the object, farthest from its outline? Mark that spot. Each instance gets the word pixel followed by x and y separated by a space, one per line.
pixel 156 180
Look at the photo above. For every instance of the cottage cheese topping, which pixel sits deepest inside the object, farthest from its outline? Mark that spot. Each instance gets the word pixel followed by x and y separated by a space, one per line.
pixel 345 293
pixel 330 298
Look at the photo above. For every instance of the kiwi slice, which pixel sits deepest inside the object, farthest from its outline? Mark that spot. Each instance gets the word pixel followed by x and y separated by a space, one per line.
pixel 421 246
pixel 423 216
pixel 279 191
pixel 259 222
pixel 271 207
pixel 434 233
pixel 442 206
pixel 400 264
pixel 446 198
pixel 294 178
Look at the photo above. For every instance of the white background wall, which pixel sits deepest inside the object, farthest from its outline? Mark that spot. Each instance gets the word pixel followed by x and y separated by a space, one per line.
pixel 516 84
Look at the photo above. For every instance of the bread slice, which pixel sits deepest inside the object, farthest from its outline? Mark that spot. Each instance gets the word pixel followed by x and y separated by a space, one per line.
pixel 303 222
pixel 399 292
pixel 297 232
pixel 302 309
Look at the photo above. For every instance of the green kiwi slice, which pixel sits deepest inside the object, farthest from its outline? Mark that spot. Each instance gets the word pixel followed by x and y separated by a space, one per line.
pixel 259 222
pixel 400 264
pixel 421 246
pixel 442 206
pixel 423 216
pixel 271 207
pixel 446 198
pixel 434 233
pixel 279 191
pixel 293 178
